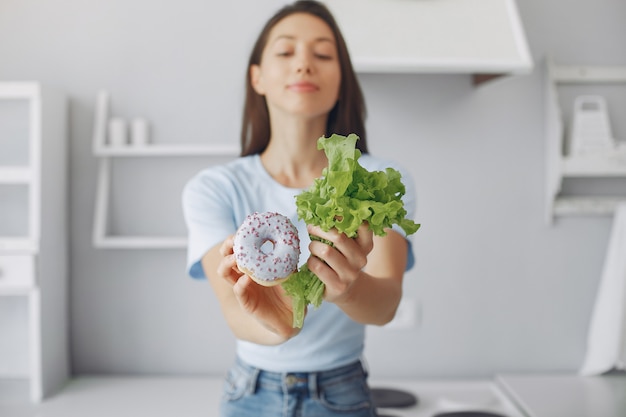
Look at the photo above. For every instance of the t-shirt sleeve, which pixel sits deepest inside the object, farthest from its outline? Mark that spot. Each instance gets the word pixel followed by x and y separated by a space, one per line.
pixel 208 213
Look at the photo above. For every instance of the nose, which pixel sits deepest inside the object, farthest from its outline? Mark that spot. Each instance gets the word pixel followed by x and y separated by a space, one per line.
pixel 303 64
pixel 303 68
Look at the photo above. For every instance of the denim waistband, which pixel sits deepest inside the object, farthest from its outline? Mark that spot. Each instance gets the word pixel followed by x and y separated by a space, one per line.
pixel 299 381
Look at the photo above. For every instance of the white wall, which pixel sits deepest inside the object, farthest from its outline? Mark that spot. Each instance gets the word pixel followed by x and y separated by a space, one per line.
pixel 500 290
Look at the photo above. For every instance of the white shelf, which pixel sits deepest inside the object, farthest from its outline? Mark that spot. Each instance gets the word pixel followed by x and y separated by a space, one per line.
pixel 564 206
pixel 605 165
pixel 16 291
pixel 576 74
pixel 166 150
pixel 105 153
pixel 140 242
pixel 18 245
pixel 560 166
pixel 15 175
pixel 20 90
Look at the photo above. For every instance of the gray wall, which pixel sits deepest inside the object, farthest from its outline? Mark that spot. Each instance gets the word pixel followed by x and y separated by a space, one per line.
pixel 500 290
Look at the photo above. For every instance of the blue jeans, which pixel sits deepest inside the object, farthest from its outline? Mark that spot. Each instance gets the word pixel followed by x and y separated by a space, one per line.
pixel 252 392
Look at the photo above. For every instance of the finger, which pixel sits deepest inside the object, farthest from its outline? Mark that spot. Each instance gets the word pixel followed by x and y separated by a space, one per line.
pixel 242 291
pixel 227 246
pixel 335 269
pixel 343 254
pixel 240 288
pixel 365 237
pixel 323 271
pixel 337 239
pixel 227 269
pixel 330 235
pixel 336 286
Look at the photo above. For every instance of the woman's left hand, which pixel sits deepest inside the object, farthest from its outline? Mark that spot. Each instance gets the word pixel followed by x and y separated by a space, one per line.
pixel 339 266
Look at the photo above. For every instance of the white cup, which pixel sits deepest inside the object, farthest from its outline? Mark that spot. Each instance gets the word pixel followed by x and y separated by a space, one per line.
pixel 118 132
pixel 140 132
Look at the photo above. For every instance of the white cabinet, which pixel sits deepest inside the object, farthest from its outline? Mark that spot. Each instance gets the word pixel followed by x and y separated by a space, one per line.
pixel 481 37
pixel 33 241
pixel 561 163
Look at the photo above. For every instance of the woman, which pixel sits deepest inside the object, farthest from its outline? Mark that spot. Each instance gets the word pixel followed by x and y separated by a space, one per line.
pixel 300 86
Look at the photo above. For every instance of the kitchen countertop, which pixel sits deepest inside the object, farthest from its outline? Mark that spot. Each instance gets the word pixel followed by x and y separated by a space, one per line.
pixel 105 396
pixel 567 395
pixel 549 395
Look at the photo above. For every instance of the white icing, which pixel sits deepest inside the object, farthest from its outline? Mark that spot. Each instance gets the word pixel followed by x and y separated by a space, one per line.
pixel 267 246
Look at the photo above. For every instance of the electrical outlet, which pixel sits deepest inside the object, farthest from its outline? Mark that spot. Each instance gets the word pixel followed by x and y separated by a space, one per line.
pixel 407 315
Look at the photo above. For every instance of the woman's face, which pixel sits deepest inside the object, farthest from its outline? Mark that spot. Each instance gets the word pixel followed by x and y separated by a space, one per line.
pixel 299 73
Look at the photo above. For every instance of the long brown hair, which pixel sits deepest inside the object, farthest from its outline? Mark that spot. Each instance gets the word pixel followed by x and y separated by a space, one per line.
pixel 348 114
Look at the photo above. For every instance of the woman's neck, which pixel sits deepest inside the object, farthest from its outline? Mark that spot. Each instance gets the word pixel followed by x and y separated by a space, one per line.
pixel 292 157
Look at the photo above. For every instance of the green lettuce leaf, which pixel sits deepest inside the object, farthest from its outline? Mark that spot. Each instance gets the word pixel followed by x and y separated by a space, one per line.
pixel 345 196
pixel 304 288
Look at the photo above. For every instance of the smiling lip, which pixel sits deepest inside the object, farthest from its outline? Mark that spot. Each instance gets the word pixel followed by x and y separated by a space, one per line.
pixel 302 86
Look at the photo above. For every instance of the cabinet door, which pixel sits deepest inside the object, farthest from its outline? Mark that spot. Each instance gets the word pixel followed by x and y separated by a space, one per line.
pixel 14 218
pixel 19 161
pixel 17 271
pixel 15 132
pixel 14 342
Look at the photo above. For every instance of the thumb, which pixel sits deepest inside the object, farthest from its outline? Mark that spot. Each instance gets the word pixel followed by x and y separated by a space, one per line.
pixel 241 288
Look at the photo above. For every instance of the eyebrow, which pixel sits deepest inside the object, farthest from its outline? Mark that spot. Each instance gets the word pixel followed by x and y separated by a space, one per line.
pixel 291 37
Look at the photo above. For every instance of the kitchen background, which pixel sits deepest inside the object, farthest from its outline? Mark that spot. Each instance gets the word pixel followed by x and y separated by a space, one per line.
pixel 497 289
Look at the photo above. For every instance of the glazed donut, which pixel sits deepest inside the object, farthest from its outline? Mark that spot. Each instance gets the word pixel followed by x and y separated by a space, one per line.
pixel 267 248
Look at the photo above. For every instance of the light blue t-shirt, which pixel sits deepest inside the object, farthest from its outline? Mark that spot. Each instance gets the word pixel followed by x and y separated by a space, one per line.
pixel 217 200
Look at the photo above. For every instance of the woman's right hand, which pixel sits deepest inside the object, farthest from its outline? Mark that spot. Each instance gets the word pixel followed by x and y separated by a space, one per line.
pixel 270 306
